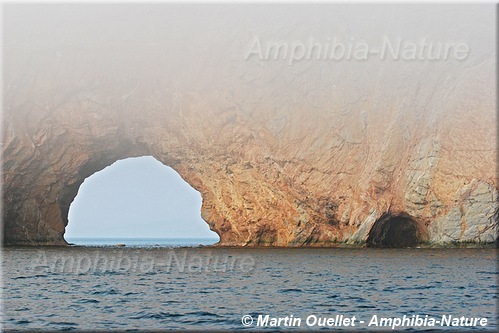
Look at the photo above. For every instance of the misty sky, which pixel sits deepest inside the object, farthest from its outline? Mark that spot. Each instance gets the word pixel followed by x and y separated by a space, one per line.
pixel 137 198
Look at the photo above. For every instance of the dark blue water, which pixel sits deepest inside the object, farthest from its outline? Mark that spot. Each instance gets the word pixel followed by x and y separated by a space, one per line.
pixel 154 288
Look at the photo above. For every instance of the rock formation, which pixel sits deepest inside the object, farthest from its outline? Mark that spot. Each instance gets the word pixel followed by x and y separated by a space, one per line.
pixel 313 153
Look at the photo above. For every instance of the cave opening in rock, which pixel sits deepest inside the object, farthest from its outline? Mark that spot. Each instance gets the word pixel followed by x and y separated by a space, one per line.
pixel 396 231
pixel 137 201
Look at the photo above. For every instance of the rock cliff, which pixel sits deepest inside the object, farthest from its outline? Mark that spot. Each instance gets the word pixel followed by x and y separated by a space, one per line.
pixel 313 153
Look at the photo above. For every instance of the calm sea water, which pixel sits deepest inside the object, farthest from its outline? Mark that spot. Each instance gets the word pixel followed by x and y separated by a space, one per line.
pixel 159 287
pixel 143 242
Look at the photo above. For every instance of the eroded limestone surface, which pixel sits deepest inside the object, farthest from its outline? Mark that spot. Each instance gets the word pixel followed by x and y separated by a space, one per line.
pixel 311 153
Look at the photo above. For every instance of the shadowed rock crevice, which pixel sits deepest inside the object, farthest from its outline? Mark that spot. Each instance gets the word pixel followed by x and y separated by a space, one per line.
pixel 394 231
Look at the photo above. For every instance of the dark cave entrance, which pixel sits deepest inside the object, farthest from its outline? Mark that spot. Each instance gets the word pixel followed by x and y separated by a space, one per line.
pixel 396 231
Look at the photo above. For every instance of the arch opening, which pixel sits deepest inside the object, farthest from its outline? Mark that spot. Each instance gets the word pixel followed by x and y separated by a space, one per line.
pixel 395 231
pixel 137 201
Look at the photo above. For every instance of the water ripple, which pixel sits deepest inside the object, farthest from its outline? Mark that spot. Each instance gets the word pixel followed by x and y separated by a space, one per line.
pixel 284 281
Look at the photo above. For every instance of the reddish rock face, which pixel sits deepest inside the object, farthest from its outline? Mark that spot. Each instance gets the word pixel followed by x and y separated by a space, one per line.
pixel 311 153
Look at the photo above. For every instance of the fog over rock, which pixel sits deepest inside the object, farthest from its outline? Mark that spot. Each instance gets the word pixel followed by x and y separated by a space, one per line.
pixel 311 153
